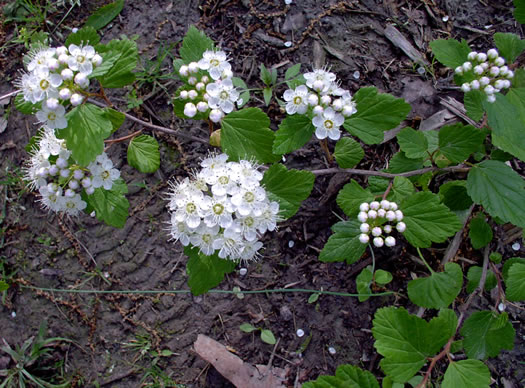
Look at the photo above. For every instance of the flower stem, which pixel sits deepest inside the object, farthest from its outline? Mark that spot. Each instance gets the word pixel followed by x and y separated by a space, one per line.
pixel 424 261
pixel 324 146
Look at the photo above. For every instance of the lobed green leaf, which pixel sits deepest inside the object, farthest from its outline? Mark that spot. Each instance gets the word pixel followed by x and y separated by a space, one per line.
pixel 351 196
pixel 143 154
pixel 474 104
pixel 466 374
pixel 363 282
pixel 347 376
pixel 519 11
pixel 121 73
pixel 510 46
pixel 348 152
pixel 86 35
pixel 457 142
pixel 294 132
pixel 344 244
pixel 450 52
pixel 205 272
pixel 111 206
pixel 104 15
pixel 515 283
pixel 480 232
pixel 194 44
pixel 438 290
pixel 413 143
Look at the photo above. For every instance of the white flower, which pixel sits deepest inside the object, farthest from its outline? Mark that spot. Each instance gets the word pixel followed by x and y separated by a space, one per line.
pixel 247 226
pixel 269 218
pixel 249 250
pixel 204 238
pixel 103 173
pixel 53 119
pixel 73 205
pixel 40 58
pixel 52 197
pixel 327 124
pixel 222 95
pixel 297 100
pixel 180 231
pixel 215 62
pixel 323 78
pixel 80 58
pixel 217 210
pixel 245 173
pixel 249 201
pixel 189 211
pixel 228 244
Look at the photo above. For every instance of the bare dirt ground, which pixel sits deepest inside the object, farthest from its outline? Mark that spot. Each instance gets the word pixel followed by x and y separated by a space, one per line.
pixel 82 253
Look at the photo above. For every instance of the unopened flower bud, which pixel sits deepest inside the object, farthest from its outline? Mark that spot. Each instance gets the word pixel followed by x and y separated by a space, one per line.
pixel 362 216
pixel 96 60
pixel 390 241
pixel 378 242
pixel 489 89
pixel 78 174
pixel 499 61
pixel 364 207
pixel 503 70
pixel 69 193
pixel 364 228
pixel 385 204
pixel 374 205
pixel 202 106
pixel 467 66
pixel 64 94
pixel 86 182
pixel 53 64
pixel 183 94
pixel 199 86
pixel 393 206
pixel 390 215
pixel 192 80
pixel 65 173
pixel 90 190
pixel 52 103
pixel 190 109
pixel 82 80
pixel 484 81
pixel 364 238
pixel 205 79
pixel 458 70
pixel 337 105
pixel 472 55
pixel 61 163
pixel 76 99
pixel 183 71
pixel 192 94
pixel 73 184
pixel 372 214
pixel 491 98
pixel 326 100
pixel 381 213
pixel 318 109
pixel 465 87
pixel 61 50
pixel 53 170
pixel 216 115
pixel 387 228
pixel 399 215
pixel 318 85
pixel 193 67
pixel 478 70
pixel 401 227
pixel 63 58
pixel 376 231
pixel 67 74
pixel 313 99
pixel 510 74
pixel 206 97
pixel 474 84
pixel 492 53
pixel 494 71
pixel 481 57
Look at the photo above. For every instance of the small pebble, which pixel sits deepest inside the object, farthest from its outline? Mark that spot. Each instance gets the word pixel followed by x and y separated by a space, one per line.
pixel 288 44
pixel 74 30
pixel 287 2
pixel 283 159
pixel 445 18
pixel 421 70
pixel 356 74
pixel 291 243
pixel 516 246
pixel 13 314
pixel 502 307
pixel 332 350
pixel 300 332
pixel 243 271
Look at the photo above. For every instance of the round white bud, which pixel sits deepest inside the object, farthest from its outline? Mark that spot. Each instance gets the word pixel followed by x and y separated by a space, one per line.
pixel 216 115
pixel 53 170
pixel 390 241
pixel 61 50
pixel 381 213
pixel 458 70
pixel 183 94
pixel 465 87
pixel 86 182
pixel 69 193
pixel 478 70
pixel 489 89
pixel 90 190
pixel 337 105
pixel 78 174
pixel 190 109
pixel 372 214
pixel 318 85
pixel 491 98
pixel 318 109
pixel 326 100
pixel 52 103
pixel 499 61
pixel 399 215
pixel 193 67
pixel 82 80
pixel 64 94
pixel 362 216
pixel 364 238
pixel 364 207
pixel 390 215
pixel 503 70
pixel 472 55
pixel 364 228
pixel 481 57
pixel 393 206
pixel 202 106
pixel 42 172
pixel 494 71
pixel 387 228
pixel 205 79
pixel 484 81
pixel 63 58
pixel 474 84
pixel 467 66
pixel 61 163
pixel 65 173
pixel 313 99
pixel 376 231
pixel 484 65
pixel 73 184
pixel 192 80
pixel 183 71
pixel 510 74
pixel 401 227
pixel 53 64
pixel 76 99
pixel 378 242
pixel 374 205
pixel 192 94
pixel 67 74
pixel 199 86
pixel 206 97
pixel 492 53
pixel 385 204
pixel 96 60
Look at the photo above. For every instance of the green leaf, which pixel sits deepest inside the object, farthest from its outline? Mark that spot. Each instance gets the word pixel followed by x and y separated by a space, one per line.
pixel 87 127
pixel 84 36
pixel 362 282
pixel 120 73
pixel 405 341
pixel 143 154
pixel 266 75
pixel 474 104
pixel 111 206
pixel 401 189
pixel 247 328
pixel 267 94
pixel 205 272
pixel 450 52
pixel 268 337
pixel 347 376
pixel 382 277
pixel 510 46
pixel 376 113
pixel 194 44
pixel 246 134
pixel 413 143
pixel 26 107
pixel 486 333
pixel 480 232
pixel 427 220
pixel 519 11
pixel 117 118
pixel 351 196
pixel 466 374
pixel 515 283
pixel 474 275
pixel 288 187
pixel 507 125
pixel 344 244
pixel 454 195
pixel 104 15
pixel 313 298
pixel 438 290
pixel 108 61
pixel 400 163
pixel 458 141
pixel 432 139
pixel 499 189
pixel 294 132
pixel 348 152
pixel 509 263
pixel 292 71
pixel 3 286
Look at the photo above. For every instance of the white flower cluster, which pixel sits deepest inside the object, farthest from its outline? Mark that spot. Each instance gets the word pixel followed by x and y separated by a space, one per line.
pixel 211 88
pixel 55 77
pixel 323 97
pixel 490 73
pixel 59 181
pixel 375 218
pixel 223 208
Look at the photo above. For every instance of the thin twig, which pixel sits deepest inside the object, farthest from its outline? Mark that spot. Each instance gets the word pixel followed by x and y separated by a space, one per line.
pixel 10 94
pixel 355 171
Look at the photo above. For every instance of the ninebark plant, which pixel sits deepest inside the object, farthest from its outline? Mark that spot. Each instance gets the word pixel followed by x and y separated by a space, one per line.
pixel 474 159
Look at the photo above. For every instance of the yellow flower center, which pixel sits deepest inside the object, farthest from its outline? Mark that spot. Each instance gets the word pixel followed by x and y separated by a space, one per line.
pixel 297 100
pixel 44 84
pixel 249 197
pixel 328 124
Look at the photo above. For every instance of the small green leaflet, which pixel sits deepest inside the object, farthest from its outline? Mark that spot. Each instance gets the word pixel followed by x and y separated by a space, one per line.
pixel 344 244
pixel 400 163
pixel 294 132
pixel 3 286
pixel 401 189
pixel 480 232
pixel 362 282
pixel 348 152
pixel 267 95
pixel 438 290
pixel 474 104
pixel 288 187
pixel 247 328
pixel 515 283
pixel 450 52
pixel 382 277
pixel 87 128
pixel 376 113
pixel 194 44
pixel 26 107
pixel 347 376
pixel 499 189
pixel 117 118
pixel 427 220
pixel 509 263
pixel 413 143
pixel 292 71
pixel 519 11
pixel 111 206
pixel 404 351
pixel 268 337
pixel 457 142
pixel 143 154
pixel 205 272
pixel 486 333
pixel 474 275
pixel 466 374
pixel 351 196
pixel 510 46
pixel 245 133
pixel 121 73
pixel 104 15
pixel 86 35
